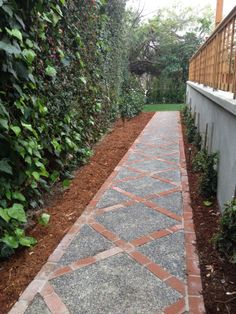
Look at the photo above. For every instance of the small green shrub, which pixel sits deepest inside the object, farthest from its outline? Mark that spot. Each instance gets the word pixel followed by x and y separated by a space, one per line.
pixel 132 101
pixel 185 111
pixel 225 239
pixel 203 161
pixel 192 133
pixel 208 181
pixel 199 161
pixel 206 164
pixel 197 141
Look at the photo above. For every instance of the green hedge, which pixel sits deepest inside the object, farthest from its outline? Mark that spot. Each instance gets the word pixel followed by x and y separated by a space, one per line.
pixel 60 81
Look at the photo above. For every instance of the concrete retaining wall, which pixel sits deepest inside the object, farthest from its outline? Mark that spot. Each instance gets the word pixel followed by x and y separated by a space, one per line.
pixel 215 116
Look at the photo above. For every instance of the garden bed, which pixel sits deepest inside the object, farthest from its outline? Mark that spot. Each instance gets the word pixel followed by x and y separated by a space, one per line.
pixel 218 275
pixel 65 207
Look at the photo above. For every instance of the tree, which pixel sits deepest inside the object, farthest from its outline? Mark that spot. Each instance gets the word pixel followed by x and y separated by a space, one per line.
pixel 163 46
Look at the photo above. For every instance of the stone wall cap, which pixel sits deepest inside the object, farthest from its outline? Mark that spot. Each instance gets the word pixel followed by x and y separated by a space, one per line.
pixel 223 99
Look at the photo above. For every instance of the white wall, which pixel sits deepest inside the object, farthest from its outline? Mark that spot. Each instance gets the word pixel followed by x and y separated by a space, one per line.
pixel 218 110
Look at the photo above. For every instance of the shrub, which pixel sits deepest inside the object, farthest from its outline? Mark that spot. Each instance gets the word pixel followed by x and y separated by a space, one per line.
pixel 203 161
pixel 206 164
pixel 133 99
pixel 225 239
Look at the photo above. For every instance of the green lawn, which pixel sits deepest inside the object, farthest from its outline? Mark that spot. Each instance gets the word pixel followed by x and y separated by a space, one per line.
pixel 163 107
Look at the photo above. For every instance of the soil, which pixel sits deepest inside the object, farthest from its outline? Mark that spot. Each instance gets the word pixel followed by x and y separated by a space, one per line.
pixel 65 207
pixel 218 275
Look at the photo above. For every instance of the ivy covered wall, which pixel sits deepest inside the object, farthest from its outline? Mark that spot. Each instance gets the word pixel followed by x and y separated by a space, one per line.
pixel 61 72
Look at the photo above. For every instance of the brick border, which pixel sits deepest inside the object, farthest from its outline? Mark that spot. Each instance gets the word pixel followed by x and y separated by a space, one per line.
pixel 194 284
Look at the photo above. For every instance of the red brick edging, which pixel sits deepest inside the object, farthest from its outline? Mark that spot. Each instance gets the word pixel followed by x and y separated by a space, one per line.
pixel 194 284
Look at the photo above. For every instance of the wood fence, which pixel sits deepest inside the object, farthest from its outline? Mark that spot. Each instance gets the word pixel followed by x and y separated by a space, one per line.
pixel 214 64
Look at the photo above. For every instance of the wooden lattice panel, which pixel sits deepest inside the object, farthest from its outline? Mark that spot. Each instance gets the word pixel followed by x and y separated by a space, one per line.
pixel 214 64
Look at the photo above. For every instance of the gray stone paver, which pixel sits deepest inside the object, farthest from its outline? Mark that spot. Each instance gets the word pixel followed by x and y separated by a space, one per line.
pixel 115 285
pixel 168 252
pixel 144 186
pixel 172 202
pixel 135 221
pixel 172 175
pixel 135 156
pixel 111 197
pixel 38 306
pixel 124 173
pixel 154 151
pixel 87 243
pixel 151 165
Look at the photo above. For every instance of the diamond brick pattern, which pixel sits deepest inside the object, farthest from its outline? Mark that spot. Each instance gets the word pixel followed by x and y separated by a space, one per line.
pixel 131 249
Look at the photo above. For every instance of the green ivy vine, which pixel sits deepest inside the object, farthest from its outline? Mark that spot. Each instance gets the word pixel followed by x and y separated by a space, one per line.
pixel 61 74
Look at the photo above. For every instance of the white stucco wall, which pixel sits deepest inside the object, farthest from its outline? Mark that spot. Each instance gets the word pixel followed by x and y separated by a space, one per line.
pixel 217 110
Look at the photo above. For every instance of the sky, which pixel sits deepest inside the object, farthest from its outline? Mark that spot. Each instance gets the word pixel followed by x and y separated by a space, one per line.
pixel 150 6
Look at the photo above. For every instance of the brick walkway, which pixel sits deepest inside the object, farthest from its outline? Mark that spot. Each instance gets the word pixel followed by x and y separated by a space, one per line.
pixel 132 250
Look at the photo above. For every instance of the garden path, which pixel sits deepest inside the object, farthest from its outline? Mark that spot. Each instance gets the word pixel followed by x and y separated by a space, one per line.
pixel 132 250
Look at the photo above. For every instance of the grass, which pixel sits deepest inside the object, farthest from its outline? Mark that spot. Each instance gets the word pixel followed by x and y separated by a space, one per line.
pixel 163 107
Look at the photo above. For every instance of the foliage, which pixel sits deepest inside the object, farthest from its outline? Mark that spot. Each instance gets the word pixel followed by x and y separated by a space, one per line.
pixel 132 100
pixel 208 180
pixel 206 164
pixel 162 48
pixel 203 162
pixel 60 79
pixel 225 239
pixel 191 131
pixel 44 219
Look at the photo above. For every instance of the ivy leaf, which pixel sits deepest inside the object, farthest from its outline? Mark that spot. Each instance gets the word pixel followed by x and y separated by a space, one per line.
pixel 4 123
pixel 83 79
pixel 15 129
pixel 208 203
pixel 44 219
pixel 18 88
pixel 1 3
pixel 20 21
pixel 14 33
pixel 8 9
pixel 11 49
pixel 54 176
pixel 17 212
pixel 36 175
pixel 56 145
pixel 27 241
pixel 27 126
pixel 66 183
pixel 19 232
pixel 29 55
pixel 10 241
pixel 3 110
pixel 55 18
pixel 50 71
pixel 4 215
pixel 61 53
pixel 58 9
pixel 18 196
pixel 5 167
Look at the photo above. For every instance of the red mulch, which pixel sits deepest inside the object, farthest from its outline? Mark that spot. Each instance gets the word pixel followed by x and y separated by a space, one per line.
pixel 65 207
pixel 218 275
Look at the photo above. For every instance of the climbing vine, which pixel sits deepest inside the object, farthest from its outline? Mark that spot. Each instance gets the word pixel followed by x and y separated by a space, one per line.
pixel 61 74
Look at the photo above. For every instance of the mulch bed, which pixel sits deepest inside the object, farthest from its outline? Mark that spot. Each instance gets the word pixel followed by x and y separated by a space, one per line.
pixel 218 275
pixel 65 207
